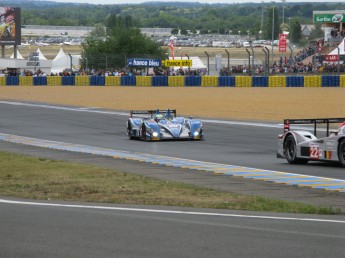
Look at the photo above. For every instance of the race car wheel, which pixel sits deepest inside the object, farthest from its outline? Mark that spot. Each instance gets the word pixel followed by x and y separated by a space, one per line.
pixel 144 133
pixel 129 131
pixel 291 151
pixel 341 152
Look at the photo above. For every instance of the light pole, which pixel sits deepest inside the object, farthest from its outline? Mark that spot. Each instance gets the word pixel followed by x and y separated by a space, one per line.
pixel 283 11
pixel 272 30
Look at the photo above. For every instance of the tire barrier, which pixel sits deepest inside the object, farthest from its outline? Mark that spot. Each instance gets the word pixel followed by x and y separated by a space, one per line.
pixel 128 81
pixel 26 80
pixel 209 81
pixel 12 80
pixel 160 81
pixel 260 81
pixel 226 81
pixel 330 81
pixel 144 81
pixel 54 80
pixel 192 81
pixel 40 81
pixel 2 81
pixel 178 81
pixel 277 81
pixel 82 80
pixel 342 81
pixel 97 81
pixel 294 81
pixel 68 81
pixel 312 81
pixel 243 81
pixel 113 81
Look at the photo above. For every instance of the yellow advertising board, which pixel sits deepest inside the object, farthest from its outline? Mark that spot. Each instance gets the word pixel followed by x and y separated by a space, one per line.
pixel 169 63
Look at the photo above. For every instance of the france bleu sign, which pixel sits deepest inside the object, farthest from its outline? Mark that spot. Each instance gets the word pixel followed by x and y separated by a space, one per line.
pixel 144 62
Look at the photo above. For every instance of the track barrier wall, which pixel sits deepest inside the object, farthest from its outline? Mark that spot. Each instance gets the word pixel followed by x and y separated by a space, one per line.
pixel 178 81
pixel 277 81
pixel 83 80
pixel 112 81
pixel 2 81
pixel 342 81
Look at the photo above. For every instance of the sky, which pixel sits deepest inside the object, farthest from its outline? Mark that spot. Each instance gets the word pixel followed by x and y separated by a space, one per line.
pixel 189 1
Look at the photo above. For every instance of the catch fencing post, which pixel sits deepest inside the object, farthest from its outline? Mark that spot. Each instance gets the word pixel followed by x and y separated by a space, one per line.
pixel 208 63
pixel 248 60
pixel 228 60
pixel 268 61
pixel 188 59
pixel 266 57
pixel 338 60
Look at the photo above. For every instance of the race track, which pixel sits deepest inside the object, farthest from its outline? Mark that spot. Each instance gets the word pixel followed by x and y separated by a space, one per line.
pixel 233 144
pixel 51 229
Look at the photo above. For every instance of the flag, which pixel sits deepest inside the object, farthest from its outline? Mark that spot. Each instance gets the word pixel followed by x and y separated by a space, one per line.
pixel 172 49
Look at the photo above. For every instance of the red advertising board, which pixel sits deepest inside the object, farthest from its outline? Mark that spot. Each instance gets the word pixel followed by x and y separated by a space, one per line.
pixel 282 43
pixel 331 58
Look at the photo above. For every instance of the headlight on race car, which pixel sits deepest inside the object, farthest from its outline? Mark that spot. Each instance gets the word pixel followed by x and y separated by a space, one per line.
pixel 155 134
pixel 196 133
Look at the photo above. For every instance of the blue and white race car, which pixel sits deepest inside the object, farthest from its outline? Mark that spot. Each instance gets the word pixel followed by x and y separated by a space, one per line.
pixel 156 125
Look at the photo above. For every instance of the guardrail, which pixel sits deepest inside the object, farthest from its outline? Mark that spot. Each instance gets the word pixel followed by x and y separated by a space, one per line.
pixel 178 81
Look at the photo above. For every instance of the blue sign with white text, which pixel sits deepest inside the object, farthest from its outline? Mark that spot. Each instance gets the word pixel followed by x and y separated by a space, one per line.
pixel 144 62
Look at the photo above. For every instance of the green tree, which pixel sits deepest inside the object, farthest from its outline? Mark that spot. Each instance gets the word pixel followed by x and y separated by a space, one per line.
pixel 120 44
pixel 184 32
pixel 98 32
pixel 272 24
pixel 317 32
pixel 174 31
pixel 295 34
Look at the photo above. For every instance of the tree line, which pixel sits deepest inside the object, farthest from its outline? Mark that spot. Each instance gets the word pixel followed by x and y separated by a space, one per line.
pixel 254 19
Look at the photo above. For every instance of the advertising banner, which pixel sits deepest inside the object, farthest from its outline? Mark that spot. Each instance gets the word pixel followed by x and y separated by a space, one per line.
pixel 329 18
pixel 169 63
pixel 331 58
pixel 10 26
pixel 282 43
pixel 144 62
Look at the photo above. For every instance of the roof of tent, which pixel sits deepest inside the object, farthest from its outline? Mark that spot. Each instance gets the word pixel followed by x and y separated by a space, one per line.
pixel 341 49
pixel 62 61
pixel 19 56
pixel 40 54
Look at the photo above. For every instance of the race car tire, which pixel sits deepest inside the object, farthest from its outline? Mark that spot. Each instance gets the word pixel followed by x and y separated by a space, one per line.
pixel 290 149
pixel 144 136
pixel 129 129
pixel 341 152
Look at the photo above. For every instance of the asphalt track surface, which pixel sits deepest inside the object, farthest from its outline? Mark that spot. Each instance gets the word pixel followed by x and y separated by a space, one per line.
pixel 80 231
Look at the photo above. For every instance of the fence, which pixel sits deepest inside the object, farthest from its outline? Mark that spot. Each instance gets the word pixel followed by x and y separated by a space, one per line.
pixel 178 81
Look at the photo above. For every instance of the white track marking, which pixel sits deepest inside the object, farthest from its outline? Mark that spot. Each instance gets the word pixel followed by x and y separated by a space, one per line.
pixel 85 109
pixel 212 121
pixel 167 211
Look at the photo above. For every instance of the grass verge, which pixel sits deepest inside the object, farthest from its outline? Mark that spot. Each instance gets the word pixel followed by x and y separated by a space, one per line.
pixel 44 179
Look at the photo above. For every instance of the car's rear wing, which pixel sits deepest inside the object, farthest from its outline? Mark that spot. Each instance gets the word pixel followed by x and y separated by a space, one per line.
pixel 288 122
pixel 153 112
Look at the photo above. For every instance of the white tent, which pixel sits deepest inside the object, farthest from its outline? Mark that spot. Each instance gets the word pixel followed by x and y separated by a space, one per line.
pixel 40 54
pixel 19 56
pixel 64 61
pixel 341 50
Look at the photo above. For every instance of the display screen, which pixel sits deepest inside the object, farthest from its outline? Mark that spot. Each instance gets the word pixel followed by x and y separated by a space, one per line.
pixel 10 27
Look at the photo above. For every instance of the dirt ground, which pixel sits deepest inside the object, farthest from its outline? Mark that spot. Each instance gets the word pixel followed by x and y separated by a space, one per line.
pixel 251 104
